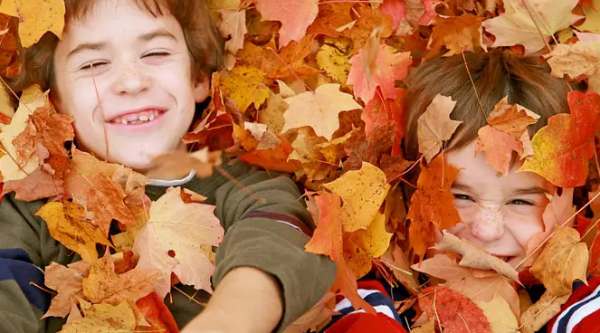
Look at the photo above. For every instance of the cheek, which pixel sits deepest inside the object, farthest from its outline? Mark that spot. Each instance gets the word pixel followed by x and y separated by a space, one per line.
pixel 524 223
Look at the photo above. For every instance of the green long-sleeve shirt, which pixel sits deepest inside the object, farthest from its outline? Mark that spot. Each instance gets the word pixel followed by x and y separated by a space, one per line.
pixel 272 246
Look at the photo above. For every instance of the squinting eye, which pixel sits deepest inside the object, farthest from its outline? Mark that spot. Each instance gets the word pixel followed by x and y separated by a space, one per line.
pixel 93 65
pixel 462 197
pixel 156 54
pixel 520 202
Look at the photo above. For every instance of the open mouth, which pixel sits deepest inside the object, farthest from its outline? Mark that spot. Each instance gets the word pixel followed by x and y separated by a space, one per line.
pixel 137 118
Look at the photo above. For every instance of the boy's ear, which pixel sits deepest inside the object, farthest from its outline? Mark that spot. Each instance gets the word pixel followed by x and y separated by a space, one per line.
pixel 201 89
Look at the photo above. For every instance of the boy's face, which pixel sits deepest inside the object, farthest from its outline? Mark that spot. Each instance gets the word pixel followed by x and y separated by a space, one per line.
pixel 125 76
pixel 500 213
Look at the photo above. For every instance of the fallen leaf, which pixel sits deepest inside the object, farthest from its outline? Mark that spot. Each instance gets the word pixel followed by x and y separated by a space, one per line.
pixel 36 18
pixel 370 23
pixel 574 60
pixel 397 262
pixel 331 17
pixel 334 60
pixel 179 164
pixel 456 35
pixel 274 159
pixel 66 281
pixel 187 230
pixel 435 126
pixel 102 318
pixel 295 17
pixel 432 205
pixel 362 192
pixel 562 261
pixel 499 314
pixel 375 240
pixel 592 15
pixel 272 115
pixel 157 314
pixel 540 313
pixel 316 318
pixel 516 25
pixel 245 86
pixel 318 110
pixel 67 224
pixel 233 24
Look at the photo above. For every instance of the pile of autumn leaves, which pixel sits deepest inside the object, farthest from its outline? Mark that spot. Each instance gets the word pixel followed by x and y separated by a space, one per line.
pixel 311 88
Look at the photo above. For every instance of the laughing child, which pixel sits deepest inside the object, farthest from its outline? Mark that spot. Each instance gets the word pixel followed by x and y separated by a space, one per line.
pixel 130 74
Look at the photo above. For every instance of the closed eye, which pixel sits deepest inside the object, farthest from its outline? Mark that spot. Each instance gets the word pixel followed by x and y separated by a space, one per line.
pixel 462 197
pixel 156 54
pixel 92 64
pixel 520 202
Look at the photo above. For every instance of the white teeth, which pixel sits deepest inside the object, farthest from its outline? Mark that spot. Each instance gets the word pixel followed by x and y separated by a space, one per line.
pixel 123 121
pixel 143 118
pixel 151 116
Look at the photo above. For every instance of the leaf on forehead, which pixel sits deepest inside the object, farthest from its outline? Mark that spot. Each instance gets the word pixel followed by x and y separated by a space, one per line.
pixel 328 240
pixel 456 313
pixel 475 256
pixel 233 24
pixel 432 205
pixel 362 192
pixel 245 86
pixel 67 224
pixel 295 17
pixel 101 318
pixel 318 110
pixel 331 17
pixel 563 260
pixel 187 231
pixel 386 67
pixel 434 126
pixel 36 18
pixel 456 35
pixel 540 313
pixel 563 149
pixel 464 281
pixel 66 281
pixel 516 26
pixel 104 285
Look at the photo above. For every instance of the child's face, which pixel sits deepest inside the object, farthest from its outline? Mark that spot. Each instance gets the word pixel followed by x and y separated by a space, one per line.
pixel 500 213
pixel 138 95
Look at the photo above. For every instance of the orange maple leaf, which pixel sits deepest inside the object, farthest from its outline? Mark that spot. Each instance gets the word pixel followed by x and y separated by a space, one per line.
pixel 295 17
pixel 456 35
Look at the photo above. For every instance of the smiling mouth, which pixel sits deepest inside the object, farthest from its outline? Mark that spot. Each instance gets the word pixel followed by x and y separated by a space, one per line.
pixel 137 118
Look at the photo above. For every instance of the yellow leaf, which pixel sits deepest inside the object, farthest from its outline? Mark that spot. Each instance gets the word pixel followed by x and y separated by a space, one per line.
pixel 272 115
pixel 499 314
pixel 562 261
pixel 36 18
pixel 542 311
pixel 362 192
pixel 215 6
pixel 592 18
pixel 334 62
pixel 375 239
pixel 319 110
pixel 103 318
pixel 68 225
pixel 245 86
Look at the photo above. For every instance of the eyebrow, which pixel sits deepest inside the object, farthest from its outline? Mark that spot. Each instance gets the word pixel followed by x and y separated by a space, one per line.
pixel 519 191
pixel 160 32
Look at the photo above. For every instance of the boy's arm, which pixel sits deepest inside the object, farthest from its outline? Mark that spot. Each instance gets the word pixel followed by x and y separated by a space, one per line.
pixel 262 214
pixel 25 246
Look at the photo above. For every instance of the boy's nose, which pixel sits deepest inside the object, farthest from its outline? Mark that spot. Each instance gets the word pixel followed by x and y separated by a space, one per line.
pixel 488 225
pixel 132 81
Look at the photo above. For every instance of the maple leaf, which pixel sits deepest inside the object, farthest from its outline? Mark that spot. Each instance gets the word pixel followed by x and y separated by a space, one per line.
pixel 470 282
pixel 157 314
pixel 102 318
pixel 275 158
pixel 563 148
pixel 288 62
pixel 453 311
pixel 272 115
pixel 474 256
pixel 307 151
pixel 295 17
pixel 186 230
pixel 397 262
pixel 215 132
pixel 245 86
pixel 499 314
pixel 456 35
pixel 432 205
pixel 36 18
pixel 67 224
pixel 540 313
pixel 67 283
pixel 379 113
pixel 327 240
pixel 331 19
pixel 371 23
pixel 591 17
pixel 396 9
pixel 362 192
pixel 575 60
pixel 435 126
pixel 562 261
pixel 387 67
pixel 103 285
pixel 318 110
pixel 179 164
pixel 333 58
pixel 516 26
pixel 233 24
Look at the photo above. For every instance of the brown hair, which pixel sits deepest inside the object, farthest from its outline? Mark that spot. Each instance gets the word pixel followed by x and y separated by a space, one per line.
pixel 203 42
pixel 497 74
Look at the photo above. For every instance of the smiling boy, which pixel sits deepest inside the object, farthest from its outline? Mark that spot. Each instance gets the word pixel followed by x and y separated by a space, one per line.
pixel 130 73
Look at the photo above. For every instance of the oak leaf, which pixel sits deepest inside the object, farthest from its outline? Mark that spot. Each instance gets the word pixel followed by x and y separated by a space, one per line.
pixel 104 285
pixel 295 17
pixel 318 110
pixel 387 68
pixel 67 224
pixel 432 205
pixel 434 126
pixel 245 86
pixel 187 232
pixel 516 26
pixel 36 18
pixel 455 312
pixel 562 261
pixel 456 35
pixel 102 318
pixel 233 24
pixel 540 313
pixel 362 192
pixel 66 281
pixel 499 314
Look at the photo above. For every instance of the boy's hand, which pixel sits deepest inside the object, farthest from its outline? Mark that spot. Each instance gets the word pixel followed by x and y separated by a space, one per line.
pixel 247 300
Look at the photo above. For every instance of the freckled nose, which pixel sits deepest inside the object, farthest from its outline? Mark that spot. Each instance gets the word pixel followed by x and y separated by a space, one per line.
pixel 131 81
pixel 488 226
